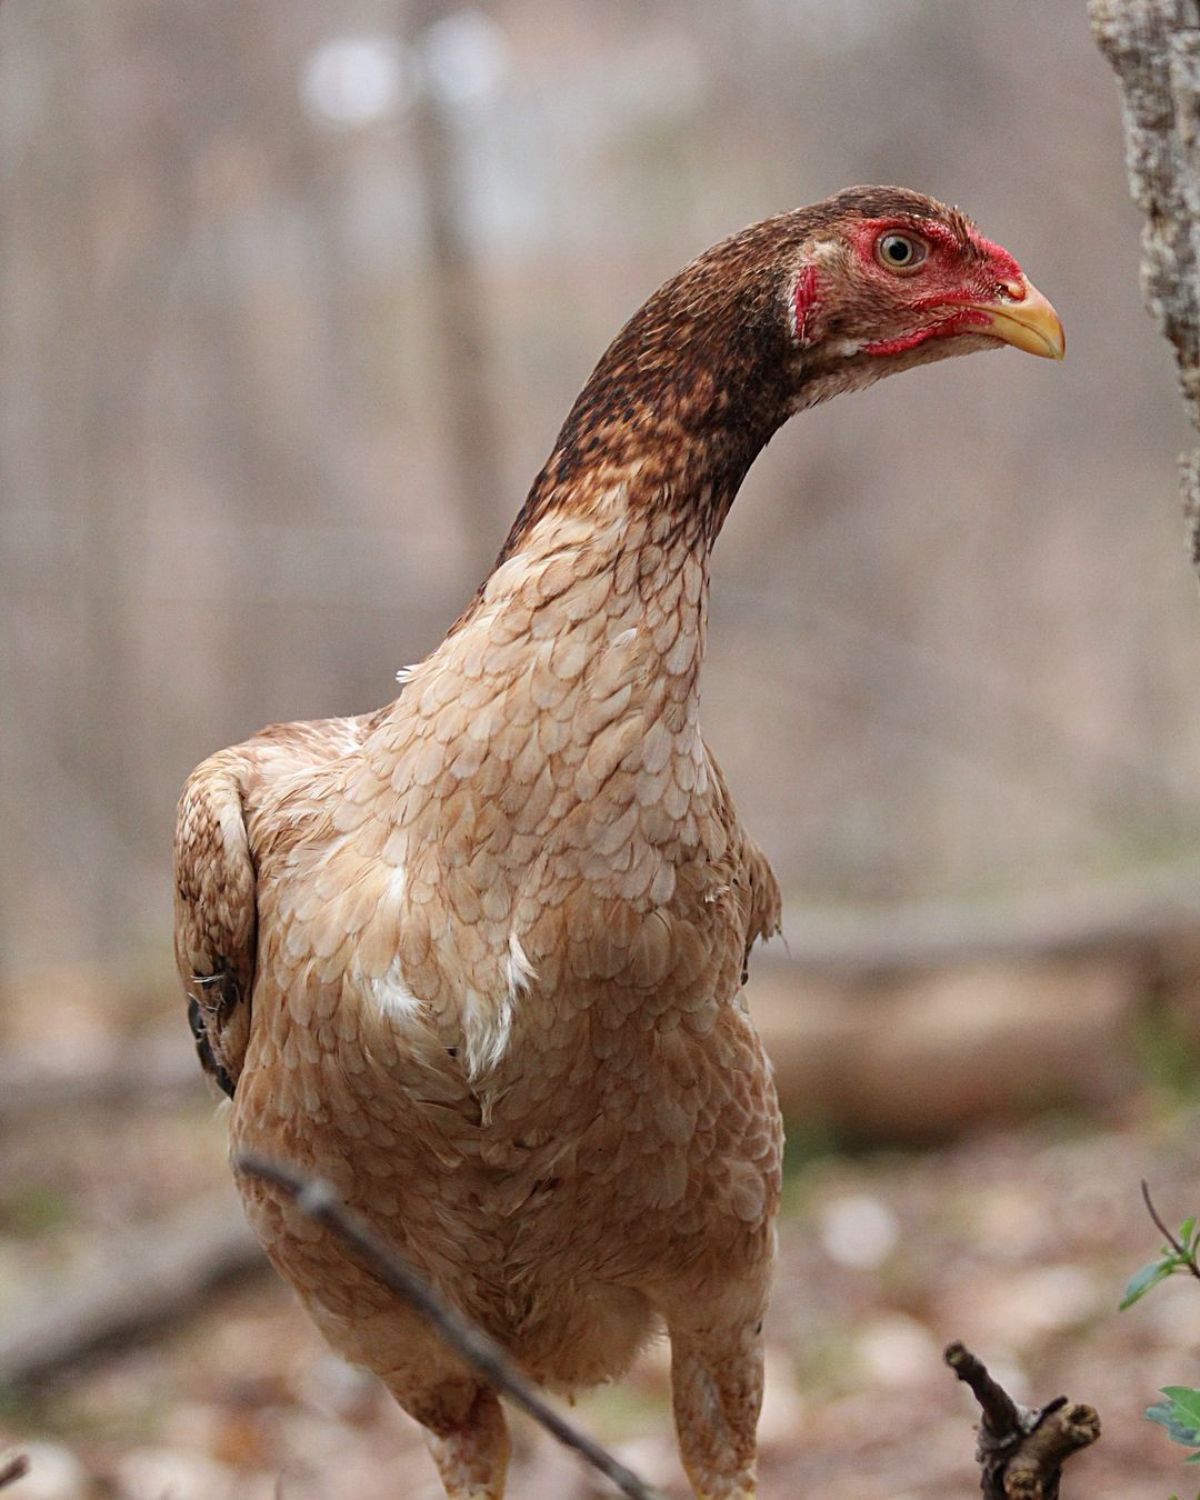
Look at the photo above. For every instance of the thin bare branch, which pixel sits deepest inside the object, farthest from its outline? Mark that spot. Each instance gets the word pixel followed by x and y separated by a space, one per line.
pixel 1186 1256
pixel 13 1467
pixel 476 1348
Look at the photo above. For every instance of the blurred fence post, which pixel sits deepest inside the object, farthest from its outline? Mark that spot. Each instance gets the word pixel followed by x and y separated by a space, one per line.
pixel 1154 47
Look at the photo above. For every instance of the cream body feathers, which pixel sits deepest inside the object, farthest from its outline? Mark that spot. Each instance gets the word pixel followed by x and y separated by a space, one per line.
pixel 501 926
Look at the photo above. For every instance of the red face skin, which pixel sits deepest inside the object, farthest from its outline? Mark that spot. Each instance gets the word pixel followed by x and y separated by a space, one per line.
pixel 949 277
pixel 957 283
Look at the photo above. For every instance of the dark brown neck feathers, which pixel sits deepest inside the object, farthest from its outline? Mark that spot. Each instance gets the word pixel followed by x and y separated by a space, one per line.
pixel 701 376
pixel 683 400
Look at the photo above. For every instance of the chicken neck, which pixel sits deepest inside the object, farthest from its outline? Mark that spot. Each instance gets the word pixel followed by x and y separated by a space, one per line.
pixel 618 526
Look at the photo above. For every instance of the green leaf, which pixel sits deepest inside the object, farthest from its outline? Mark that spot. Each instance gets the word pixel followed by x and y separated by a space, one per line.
pixel 1179 1414
pixel 1186 1230
pixel 1148 1277
pixel 1165 1416
pixel 1186 1398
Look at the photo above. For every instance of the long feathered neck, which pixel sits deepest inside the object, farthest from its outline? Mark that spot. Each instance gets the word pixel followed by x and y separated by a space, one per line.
pixel 680 404
pixel 699 379
pixel 610 551
pixel 667 446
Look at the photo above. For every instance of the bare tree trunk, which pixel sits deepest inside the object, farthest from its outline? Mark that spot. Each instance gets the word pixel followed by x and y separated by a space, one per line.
pixel 472 425
pixel 1154 46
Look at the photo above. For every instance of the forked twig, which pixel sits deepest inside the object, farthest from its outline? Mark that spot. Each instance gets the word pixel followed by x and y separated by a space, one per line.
pixel 1021 1451
pixel 318 1201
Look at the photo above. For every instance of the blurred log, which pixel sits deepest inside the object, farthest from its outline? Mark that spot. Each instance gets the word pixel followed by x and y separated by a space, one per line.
pixel 1154 47
pixel 914 1023
pixel 134 1283
pixel 148 1069
pixel 920 1055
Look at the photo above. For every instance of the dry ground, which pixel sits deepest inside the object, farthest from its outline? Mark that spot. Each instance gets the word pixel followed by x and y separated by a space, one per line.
pixel 1018 1242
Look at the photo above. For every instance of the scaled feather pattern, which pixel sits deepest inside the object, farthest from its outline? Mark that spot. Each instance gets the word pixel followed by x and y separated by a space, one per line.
pixel 477 958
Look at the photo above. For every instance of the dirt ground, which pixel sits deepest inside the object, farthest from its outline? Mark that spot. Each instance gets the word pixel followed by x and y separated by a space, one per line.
pixel 1016 1241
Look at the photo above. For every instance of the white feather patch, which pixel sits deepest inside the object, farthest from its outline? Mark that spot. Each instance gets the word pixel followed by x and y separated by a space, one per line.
pixel 487 1027
pixel 520 970
pixel 393 996
pixel 486 1033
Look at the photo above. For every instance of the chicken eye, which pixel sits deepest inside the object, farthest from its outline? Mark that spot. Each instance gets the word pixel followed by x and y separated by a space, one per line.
pixel 900 252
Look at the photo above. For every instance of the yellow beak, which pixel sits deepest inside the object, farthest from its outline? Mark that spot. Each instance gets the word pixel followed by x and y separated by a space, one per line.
pixel 1026 320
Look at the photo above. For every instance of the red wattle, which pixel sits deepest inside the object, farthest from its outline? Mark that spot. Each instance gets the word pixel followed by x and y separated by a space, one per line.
pixel 970 317
pixel 804 300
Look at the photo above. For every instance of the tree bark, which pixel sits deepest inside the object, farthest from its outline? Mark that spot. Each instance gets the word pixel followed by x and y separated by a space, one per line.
pixel 1154 47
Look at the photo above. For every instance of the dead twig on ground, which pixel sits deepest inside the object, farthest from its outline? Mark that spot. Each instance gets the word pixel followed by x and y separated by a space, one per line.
pixel 476 1348
pixel 1021 1451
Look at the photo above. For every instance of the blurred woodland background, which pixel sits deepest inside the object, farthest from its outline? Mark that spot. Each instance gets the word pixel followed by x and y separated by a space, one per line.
pixel 292 300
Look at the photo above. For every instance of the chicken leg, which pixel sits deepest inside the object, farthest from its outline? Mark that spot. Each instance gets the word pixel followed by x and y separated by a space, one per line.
pixel 467 1437
pixel 717 1386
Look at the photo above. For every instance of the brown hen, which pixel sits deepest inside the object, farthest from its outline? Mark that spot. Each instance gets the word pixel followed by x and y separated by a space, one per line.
pixel 477 958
